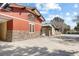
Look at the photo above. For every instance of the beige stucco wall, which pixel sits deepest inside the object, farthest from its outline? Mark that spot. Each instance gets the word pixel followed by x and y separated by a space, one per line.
pixel 3 30
pixel 53 31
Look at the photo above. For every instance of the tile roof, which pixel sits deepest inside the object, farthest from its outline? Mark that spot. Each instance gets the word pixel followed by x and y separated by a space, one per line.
pixel 30 9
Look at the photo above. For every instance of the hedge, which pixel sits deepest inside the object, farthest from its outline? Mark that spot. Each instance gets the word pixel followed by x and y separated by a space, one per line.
pixel 76 32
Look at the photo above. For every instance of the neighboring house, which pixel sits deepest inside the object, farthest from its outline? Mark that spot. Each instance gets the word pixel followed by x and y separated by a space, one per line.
pixel 47 29
pixel 18 22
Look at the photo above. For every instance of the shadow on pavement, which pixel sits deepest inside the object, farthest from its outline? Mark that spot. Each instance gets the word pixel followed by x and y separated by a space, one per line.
pixel 68 38
pixel 34 51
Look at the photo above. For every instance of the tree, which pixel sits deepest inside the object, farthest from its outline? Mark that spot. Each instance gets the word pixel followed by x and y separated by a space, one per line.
pixel 67 28
pixel 76 19
pixel 58 23
pixel 77 27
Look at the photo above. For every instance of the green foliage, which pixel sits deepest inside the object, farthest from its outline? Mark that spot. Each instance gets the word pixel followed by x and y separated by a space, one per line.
pixel 77 22
pixel 72 32
pixel 77 27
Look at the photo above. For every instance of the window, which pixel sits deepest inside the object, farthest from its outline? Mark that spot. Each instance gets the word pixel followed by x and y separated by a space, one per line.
pixel 31 27
pixel 31 17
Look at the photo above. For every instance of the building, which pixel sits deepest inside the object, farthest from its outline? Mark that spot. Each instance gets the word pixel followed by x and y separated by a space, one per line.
pixel 47 29
pixel 18 22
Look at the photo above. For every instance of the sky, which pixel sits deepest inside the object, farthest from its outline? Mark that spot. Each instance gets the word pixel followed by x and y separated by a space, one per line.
pixel 66 11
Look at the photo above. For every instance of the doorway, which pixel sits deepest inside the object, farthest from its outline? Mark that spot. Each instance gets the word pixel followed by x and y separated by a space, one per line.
pixel 3 31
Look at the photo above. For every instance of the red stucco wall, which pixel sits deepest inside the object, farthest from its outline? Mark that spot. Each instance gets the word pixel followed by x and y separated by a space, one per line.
pixel 10 25
pixel 16 13
pixel 37 27
pixel 18 24
pixel 21 25
pixel 19 13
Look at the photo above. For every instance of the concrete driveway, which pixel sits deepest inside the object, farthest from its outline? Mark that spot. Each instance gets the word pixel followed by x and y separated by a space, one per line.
pixel 64 45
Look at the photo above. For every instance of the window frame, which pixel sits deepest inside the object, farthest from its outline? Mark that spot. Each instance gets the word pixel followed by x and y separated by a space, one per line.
pixel 31 27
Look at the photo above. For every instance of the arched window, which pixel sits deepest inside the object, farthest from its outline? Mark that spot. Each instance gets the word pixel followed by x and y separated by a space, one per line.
pixel 31 17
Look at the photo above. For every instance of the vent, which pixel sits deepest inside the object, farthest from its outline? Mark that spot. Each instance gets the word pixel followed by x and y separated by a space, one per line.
pixel 1 4
pixel 4 6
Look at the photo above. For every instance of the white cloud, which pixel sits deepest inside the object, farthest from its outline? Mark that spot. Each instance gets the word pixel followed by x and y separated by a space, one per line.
pixel 43 12
pixel 50 17
pixel 53 6
pixel 46 7
pixel 38 6
pixel 69 21
pixel 67 13
pixel 75 13
pixel 68 18
pixel 54 16
pixel 76 5
pixel 41 6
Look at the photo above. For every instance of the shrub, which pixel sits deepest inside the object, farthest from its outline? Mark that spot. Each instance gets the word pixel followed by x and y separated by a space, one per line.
pixel 72 32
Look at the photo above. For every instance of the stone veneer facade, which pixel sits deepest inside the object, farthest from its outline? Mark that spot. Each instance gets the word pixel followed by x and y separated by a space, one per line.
pixel 17 35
